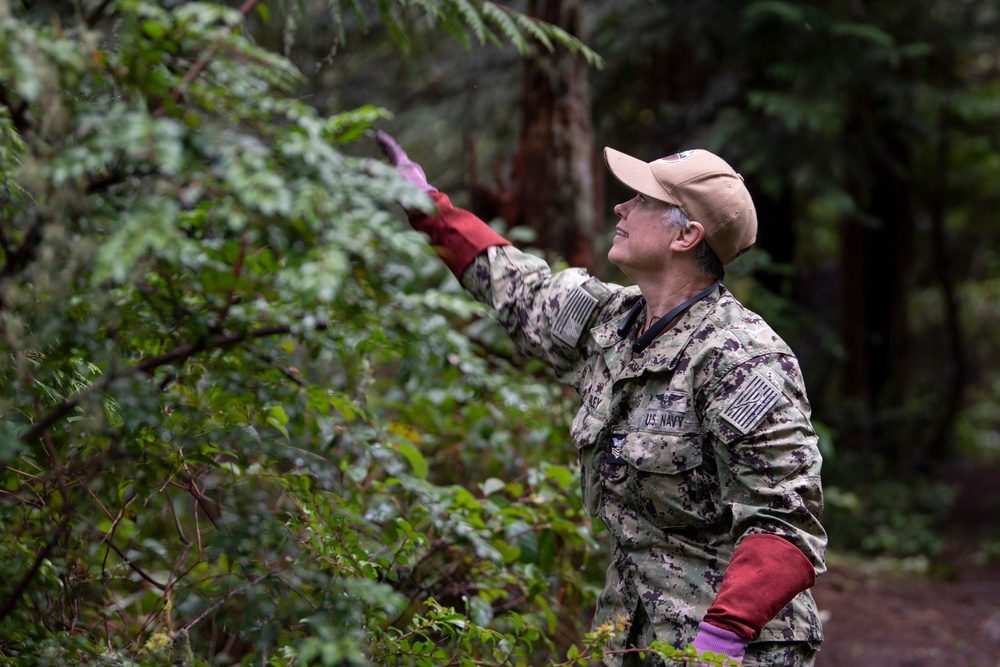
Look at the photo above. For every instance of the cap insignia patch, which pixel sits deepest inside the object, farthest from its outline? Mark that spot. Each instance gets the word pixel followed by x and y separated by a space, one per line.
pixel 677 157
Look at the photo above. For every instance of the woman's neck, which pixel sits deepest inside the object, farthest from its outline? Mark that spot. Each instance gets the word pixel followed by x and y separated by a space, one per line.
pixel 663 297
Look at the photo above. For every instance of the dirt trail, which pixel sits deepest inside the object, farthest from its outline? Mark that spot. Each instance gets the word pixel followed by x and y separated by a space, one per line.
pixel 875 619
pixel 910 620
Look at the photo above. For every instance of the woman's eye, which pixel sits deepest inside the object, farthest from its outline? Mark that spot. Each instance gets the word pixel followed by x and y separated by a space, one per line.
pixel 642 199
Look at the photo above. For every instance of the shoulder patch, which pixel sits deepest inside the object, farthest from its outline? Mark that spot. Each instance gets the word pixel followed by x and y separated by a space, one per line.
pixel 750 403
pixel 573 315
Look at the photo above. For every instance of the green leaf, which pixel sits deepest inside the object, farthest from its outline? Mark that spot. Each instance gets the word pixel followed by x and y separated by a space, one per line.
pixel 416 459
pixel 508 552
pixel 153 29
pixel 10 440
pixel 344 406
pixel 561 475
pixel 278 418
pixel 492 485
pixel 787 11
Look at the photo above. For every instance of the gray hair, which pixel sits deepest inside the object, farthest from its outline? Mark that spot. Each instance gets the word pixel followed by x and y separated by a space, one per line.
pixel 706 259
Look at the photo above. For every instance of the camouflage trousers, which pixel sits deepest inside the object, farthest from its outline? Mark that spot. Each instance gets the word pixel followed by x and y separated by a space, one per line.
pixel 759 654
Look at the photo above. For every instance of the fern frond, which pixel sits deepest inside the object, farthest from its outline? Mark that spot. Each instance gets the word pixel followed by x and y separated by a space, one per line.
pixel 575 46
pixel 471 18
pixel 456 28
pixel 431 8
pixel 337 16
pixel 535 28
pixel 359 12
pixel 387 11
pixel 490 22
pixel 501 19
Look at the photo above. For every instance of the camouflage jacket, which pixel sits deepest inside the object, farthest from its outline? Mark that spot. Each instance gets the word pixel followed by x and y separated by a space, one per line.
pixel 701 439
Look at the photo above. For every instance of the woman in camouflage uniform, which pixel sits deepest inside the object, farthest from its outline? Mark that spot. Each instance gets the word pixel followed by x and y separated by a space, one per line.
pixel 694 434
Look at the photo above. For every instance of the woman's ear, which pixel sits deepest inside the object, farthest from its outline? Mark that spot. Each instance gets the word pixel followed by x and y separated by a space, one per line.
pixel 689 237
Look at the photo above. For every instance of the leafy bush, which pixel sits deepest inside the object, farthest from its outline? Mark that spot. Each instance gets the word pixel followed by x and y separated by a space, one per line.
pixel 245 416
pixel 888 518
pixel 240 402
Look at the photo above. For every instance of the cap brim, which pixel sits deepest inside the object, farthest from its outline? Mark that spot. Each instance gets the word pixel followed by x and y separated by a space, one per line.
pixel 635 174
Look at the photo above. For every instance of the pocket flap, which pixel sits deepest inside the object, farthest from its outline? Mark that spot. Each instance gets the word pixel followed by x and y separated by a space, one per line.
pixel 663 454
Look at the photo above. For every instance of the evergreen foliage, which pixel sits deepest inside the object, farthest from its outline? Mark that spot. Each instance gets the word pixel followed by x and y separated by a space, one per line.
pixel 234 408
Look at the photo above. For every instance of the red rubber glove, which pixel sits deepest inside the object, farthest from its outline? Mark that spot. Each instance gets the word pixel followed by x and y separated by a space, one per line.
pixel 458 236
pixel 766 572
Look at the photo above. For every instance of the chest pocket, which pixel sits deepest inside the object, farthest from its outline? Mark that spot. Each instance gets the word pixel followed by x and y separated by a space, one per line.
pixel 670 482
pixel 589 434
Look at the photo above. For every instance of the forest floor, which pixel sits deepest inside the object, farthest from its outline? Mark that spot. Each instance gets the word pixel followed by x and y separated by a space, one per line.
pixel 947 615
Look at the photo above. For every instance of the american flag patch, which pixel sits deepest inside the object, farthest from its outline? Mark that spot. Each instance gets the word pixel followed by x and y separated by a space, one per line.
pixel 750 404
pixel 573 315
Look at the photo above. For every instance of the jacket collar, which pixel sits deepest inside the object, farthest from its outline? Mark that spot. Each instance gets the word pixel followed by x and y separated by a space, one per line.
pixel 664 352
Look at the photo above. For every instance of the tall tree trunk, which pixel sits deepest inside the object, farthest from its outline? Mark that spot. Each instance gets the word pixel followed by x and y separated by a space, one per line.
pixel 874 259
pixel 553 173
pixel 940 445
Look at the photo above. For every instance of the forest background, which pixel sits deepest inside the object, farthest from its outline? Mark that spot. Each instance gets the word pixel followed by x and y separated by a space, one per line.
pixel 246 417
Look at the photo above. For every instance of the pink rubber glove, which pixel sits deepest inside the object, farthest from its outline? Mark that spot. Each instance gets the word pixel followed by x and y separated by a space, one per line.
pixel 457 235
pixel 717 640
pixel 406 167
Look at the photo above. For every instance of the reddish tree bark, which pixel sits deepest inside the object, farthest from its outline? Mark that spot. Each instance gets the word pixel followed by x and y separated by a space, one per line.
pixel 555 191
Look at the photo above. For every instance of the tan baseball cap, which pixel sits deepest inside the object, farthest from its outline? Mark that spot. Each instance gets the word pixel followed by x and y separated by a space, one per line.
pixel 704 186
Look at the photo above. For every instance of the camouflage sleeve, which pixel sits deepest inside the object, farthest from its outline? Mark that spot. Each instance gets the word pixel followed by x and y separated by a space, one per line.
pixel 766 451
pixel 547 315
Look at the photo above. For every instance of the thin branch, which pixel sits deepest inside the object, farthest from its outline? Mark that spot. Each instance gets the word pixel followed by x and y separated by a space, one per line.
pixel 237 272
pixel 219 603
pixel 177 521
pixel 31 503
pixel 101 182
pixel 202 63
pixel 171 580
pixel 147 366
pixel 8 605
pixel 135 568
pixel 297 379
pixel 110 535
pixel 150 617
pixel 200 500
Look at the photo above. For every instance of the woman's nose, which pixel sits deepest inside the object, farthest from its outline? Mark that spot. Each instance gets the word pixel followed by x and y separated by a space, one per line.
pixel 620 209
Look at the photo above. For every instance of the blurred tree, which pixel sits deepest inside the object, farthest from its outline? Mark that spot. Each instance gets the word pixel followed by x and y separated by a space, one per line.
pixel 835 113
pixel 553 165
